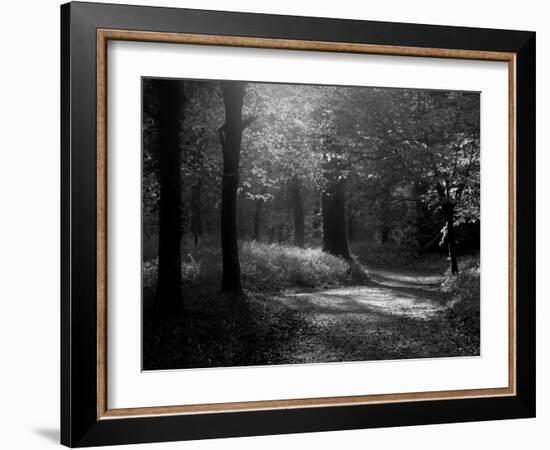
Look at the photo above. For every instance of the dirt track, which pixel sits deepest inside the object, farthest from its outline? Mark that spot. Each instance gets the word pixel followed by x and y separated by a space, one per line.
pixel 395 316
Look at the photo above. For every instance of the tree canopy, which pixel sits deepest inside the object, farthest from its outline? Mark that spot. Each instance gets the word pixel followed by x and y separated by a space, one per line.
pixel 320 165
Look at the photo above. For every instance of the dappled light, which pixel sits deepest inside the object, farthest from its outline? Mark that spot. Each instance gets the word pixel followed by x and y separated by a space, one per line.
pixel 288 224
pixel 364 300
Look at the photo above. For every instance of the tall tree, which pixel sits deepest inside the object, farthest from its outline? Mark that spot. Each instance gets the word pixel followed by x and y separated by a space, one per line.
pixel 435 136
pixel 202 159
pixel 169 118
pixel 448 209
pixel 296 198
pixel 334 219
pixel 317 218
pixel 258 214
pixel 196 210
pixel 333 199
pixel 197 160
pixel 231 137
pixel 279 162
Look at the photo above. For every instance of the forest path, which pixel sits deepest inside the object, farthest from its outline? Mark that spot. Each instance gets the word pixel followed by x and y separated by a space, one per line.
pixel 394 316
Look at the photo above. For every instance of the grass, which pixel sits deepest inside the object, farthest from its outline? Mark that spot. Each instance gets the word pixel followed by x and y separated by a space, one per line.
pixel 219 330
pixel 277 267
pixel 463 305
pixel 393 256
pixel 460 318
pixel 266 268
pixel 216 330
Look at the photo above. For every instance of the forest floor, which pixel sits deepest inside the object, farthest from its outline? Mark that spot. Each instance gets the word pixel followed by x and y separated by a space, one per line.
pixel 304 306
pixel 395 316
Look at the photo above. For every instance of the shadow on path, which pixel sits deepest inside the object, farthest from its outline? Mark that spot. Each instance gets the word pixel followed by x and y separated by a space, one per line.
pixel 395 316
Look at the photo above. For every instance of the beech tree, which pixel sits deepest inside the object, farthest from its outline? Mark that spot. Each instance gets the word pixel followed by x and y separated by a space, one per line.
pixel 432 138
pixel 280 161
pixel 297 203
pixel 335 169
pixel 201 157
pixel 317 166
pixel 231 137
pixel 168 121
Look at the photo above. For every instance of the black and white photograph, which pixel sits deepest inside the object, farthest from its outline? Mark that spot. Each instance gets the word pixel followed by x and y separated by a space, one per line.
pixel 291 224
pixel 281 225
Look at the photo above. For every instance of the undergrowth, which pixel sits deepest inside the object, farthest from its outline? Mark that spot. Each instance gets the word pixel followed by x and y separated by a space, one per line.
pixel 267 267
pixel 219 330
pixel 462 311
pixel 216 330
pixel 393 256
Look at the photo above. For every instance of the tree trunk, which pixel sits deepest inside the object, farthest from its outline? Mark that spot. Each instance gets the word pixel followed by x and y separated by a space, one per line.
pixel 258 216
pixel 298 212
pixel 334 219
pixel 385 233
pixel 168 295
pixel 350 224
pixel 196 211
pixel 316 225
pixel 257 220
pixel 451 244
pixel 231 137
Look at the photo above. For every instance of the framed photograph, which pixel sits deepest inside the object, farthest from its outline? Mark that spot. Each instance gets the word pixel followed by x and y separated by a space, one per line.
pixel 276 224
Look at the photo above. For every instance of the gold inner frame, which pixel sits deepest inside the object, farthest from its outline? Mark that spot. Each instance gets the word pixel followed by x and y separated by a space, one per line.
pixel 104 35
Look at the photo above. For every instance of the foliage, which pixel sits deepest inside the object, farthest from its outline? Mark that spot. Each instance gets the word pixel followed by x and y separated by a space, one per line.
pixel 433 139
pixel 266 267
pixel 272 267
pixel 462 312
pixel 400 164
pixel 395 256
pixel 218 330
pixel 403 153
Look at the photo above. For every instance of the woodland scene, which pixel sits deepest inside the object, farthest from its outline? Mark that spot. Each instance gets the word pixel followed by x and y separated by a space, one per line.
pixel 288 224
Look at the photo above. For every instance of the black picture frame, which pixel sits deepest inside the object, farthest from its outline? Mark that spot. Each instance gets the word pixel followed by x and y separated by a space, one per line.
pixel 80 425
